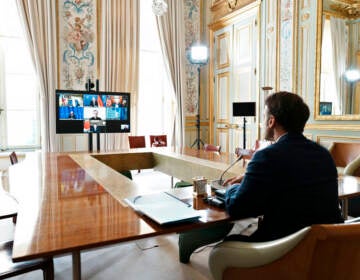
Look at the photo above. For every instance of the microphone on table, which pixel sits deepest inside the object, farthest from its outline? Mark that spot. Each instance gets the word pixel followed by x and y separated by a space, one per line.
pixel 217 184
pixel 219 189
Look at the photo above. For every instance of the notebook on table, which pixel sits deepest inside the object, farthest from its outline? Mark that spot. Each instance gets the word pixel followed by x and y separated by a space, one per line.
pixel 163 208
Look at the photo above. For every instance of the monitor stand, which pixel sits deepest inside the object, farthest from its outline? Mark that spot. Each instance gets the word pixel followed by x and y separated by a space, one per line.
pixel 91 142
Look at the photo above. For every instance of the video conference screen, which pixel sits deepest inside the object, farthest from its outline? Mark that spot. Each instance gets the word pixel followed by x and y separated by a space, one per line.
pixel 92 112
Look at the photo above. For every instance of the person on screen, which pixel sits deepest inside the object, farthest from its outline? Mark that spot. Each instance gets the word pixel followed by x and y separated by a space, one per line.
pixel 117 102
pixel 95 115
pixel 108 102
pixel 93 102
pixel 290 184
pixel 72 115
pixel 94 125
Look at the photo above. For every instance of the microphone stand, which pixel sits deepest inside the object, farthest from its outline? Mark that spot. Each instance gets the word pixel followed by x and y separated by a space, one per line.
pixel 231 165
pixel 244 134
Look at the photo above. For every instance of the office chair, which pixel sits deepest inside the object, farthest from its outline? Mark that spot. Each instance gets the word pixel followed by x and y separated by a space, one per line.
pixel 134 142
pixel 346 156
pixel 13 158
pixel 158 140
pixel 7 267
pixel 137 142
pixel 318 252
pixel 211 147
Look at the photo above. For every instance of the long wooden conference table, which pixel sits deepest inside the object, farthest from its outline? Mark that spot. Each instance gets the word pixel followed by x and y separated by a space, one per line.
pixel 72 202
pixel 69 202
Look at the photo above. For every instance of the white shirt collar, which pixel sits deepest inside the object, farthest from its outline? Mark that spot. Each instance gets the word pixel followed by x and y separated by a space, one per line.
pixel 280 137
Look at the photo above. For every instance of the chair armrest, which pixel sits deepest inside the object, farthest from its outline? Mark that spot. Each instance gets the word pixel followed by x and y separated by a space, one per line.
pixel 351 168
pixel 246 254
pixel 331 147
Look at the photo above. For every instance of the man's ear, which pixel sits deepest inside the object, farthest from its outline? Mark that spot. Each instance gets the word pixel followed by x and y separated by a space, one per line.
pixel 271 121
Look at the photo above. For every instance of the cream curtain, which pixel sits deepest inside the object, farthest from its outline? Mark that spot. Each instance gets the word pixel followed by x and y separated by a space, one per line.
pixel 39 20
pixel 339 42
pixel 119 58
pixel 172 39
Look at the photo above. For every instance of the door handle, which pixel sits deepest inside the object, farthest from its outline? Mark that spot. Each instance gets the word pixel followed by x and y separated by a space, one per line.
pixel 234 125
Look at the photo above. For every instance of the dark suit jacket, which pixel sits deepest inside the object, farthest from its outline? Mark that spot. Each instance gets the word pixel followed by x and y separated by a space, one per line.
pixel 292 183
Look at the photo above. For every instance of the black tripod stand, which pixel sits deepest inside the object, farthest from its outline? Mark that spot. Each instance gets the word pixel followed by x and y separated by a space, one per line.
pixel 198 140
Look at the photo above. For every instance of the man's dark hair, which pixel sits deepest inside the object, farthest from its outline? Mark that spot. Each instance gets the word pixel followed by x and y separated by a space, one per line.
pixel 289 110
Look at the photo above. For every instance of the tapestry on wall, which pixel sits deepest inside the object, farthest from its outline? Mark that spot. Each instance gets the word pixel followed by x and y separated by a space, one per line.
pixel 77 41
pixel 192 35
pixel 286 45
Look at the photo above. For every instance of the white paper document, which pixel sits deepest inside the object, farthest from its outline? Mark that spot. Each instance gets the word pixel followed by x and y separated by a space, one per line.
pixel 163 208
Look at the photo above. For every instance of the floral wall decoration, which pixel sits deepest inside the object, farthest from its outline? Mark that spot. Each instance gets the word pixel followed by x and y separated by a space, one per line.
pixel 77 22
pixel 192 35
pixel 286 44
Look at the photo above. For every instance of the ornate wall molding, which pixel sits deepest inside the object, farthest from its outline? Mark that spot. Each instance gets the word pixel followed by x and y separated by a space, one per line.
pixel 334 126
pixel 221 8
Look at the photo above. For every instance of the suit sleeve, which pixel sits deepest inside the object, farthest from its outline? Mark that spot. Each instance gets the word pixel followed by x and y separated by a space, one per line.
pixel 248 198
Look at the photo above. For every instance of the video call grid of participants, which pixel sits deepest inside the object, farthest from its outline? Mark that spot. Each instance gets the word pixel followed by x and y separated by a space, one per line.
pixel 82 107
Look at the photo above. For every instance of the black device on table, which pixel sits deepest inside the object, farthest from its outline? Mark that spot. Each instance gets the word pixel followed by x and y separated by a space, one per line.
pixel 218 199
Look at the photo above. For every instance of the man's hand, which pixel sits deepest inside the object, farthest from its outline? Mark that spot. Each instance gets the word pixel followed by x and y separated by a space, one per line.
pixel 233 180
pixel 246 153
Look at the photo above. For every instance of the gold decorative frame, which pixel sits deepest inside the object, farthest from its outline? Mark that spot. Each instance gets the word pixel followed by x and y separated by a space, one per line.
pixel 220 95
pixel 317 115
pixel 224 36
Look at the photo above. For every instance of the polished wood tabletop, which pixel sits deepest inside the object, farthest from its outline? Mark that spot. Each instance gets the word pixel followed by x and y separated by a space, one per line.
pixel 8 205
pixel 71 202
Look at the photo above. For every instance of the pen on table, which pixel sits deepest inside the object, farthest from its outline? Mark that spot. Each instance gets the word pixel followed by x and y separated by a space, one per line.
pixel 188 204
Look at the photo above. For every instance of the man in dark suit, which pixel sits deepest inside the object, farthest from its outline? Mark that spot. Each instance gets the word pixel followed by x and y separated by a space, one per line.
pixel 93 102
pixel 290 184
pixel 95 124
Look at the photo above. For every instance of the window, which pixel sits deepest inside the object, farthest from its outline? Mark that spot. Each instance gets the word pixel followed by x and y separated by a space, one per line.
pixel 19 94
pixel 156 98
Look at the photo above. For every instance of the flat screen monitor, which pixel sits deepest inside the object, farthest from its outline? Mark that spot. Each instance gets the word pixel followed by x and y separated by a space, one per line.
pixel 92 112
pixel 243 109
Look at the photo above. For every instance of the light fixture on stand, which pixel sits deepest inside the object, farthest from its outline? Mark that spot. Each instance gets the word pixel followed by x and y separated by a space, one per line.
pixel 159 7
pixel 352 76
pixel 199 56
pixel 244 109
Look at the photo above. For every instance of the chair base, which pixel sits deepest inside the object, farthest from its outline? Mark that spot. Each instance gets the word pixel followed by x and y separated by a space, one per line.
pixel 192 240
